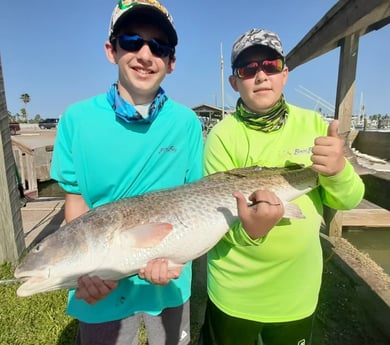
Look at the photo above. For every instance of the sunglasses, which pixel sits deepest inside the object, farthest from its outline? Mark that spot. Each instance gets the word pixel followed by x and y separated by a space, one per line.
pixel 133 43
pixel 249 70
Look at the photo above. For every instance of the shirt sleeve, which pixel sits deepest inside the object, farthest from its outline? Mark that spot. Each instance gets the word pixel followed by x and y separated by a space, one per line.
pixel 62 166
pixel 343 191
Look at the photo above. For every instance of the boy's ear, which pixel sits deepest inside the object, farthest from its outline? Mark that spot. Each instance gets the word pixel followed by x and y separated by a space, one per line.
pixel 285 75
pixel 171 64
pixel 233 82
pixel 110 52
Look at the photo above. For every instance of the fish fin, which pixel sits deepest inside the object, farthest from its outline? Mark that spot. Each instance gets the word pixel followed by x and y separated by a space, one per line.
pixel 292 211
pixel 150 234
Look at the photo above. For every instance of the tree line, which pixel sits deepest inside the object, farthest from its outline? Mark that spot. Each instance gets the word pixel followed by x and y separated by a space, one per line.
pixel 22 117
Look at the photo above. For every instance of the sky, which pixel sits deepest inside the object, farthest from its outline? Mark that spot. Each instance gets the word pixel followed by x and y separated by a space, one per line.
pixel 54 51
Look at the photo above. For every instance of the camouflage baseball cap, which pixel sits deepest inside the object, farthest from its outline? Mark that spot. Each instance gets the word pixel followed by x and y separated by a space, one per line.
pixel 127 9
pixel 256 37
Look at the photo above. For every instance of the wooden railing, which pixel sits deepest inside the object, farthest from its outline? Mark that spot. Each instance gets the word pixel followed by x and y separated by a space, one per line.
pixel 24 159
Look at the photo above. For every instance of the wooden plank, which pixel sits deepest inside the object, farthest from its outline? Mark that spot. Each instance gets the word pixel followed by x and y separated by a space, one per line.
pixel 336 225
pixel 377 217
pixel 343 19
pixel 366 214
pixel 11 228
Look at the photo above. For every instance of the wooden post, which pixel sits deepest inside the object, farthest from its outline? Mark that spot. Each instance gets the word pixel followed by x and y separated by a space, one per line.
pixel 11 227
pixel 333 222
pixel 346 81
pixel 344 104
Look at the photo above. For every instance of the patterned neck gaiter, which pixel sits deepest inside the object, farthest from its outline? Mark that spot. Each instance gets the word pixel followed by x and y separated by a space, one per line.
pixel 127 112
pixel 269 122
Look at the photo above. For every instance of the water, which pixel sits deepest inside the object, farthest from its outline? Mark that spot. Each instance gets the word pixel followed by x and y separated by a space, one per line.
pixel 373 241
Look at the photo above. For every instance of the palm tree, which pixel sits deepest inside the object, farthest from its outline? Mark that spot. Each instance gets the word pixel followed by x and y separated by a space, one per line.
pixel 23 113
pixel 25 99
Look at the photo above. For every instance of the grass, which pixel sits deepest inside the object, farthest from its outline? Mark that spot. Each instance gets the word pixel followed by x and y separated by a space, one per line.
pixel 342 315
pixel 41 319
pixel 36 320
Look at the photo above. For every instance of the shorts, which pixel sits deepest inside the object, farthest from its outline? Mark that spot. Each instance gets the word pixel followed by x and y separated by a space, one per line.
pixel 171 327
pixel 222 329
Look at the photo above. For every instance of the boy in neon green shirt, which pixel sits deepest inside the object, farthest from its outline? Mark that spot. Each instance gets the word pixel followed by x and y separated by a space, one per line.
pixel 264 276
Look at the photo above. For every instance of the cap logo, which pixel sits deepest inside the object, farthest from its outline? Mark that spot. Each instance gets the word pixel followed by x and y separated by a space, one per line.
pixel 125 4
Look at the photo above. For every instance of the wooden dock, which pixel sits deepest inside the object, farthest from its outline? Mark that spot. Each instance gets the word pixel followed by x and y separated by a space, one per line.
pixel 372 212
pixel 366 214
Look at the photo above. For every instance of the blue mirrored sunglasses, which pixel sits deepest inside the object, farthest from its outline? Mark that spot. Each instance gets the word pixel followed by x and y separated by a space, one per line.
pixel 133 43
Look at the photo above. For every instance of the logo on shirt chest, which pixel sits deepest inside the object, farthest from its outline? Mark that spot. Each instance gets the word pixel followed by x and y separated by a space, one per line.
pixel 167 149
pixel 304 151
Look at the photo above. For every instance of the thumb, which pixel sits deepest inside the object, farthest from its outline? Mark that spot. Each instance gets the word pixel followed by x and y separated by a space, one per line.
pixel 242 204
pixel 333 128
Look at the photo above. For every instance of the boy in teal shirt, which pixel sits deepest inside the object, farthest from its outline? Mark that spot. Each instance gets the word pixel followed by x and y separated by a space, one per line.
pixel 130 141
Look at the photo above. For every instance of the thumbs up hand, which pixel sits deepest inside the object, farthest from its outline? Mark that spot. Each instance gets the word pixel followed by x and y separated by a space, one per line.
pixel 328 152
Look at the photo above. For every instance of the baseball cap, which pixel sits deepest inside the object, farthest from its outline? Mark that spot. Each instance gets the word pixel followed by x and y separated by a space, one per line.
pixel 126 9
pixel 255 37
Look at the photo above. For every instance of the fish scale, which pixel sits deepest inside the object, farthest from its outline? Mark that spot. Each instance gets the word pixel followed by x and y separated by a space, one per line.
pixel 180 224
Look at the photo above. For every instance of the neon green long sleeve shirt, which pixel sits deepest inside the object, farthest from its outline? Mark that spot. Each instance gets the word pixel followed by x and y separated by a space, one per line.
pixel 276 278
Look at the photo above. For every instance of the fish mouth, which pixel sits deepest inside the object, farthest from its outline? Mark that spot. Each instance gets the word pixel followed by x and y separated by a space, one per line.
pixel 32 282
pixel 35 285
pixel 31 274
pixel 37 282
pixel 30 285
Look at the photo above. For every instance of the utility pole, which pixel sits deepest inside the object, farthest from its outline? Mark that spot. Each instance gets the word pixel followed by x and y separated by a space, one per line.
pixel 222 85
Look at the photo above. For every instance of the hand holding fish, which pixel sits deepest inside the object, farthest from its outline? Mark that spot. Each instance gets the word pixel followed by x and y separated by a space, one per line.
pixel 262 215
pixel 93 289
pixel 157 272
pixel 328 152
